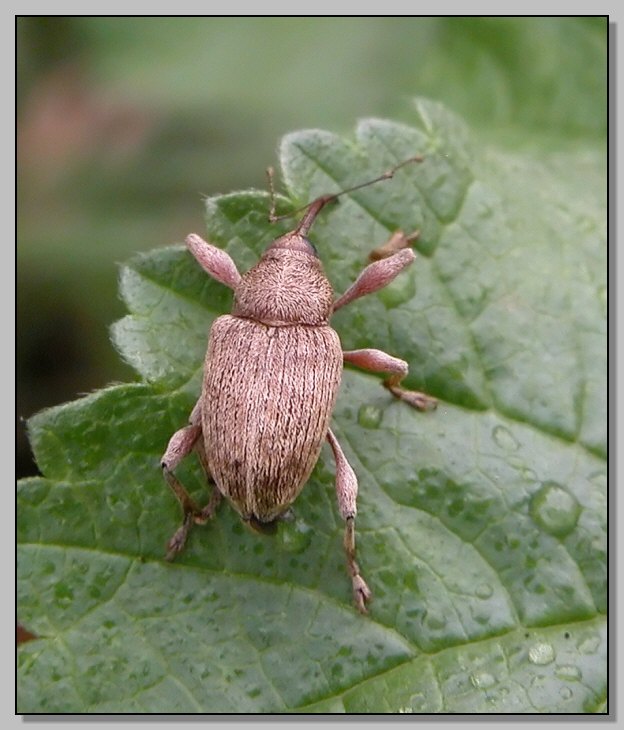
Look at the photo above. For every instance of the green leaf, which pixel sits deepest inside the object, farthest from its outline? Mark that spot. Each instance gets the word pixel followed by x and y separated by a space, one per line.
pixel 481 526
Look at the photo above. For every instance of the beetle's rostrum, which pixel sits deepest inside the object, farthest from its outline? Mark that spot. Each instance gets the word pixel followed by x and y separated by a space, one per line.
pixel 271 377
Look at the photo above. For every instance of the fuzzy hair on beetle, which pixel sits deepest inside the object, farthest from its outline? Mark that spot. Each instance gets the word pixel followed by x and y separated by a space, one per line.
pixel 273 367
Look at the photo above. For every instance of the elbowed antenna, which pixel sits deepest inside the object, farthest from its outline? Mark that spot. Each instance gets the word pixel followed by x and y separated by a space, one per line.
pixel 314 207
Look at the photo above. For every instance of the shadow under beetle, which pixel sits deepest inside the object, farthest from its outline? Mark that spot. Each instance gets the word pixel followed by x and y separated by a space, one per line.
pixel 271 377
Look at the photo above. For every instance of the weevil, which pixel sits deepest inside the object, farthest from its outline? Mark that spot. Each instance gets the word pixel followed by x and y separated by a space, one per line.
pixel 270 381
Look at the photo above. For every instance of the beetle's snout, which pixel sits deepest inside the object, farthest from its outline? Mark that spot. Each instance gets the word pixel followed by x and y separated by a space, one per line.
pixel 293 242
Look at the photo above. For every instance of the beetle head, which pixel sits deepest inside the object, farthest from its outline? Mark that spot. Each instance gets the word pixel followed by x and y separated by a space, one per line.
pixel 293 241
pixel 287 286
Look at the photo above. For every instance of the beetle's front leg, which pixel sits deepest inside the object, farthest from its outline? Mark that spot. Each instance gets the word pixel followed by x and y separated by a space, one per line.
pixel 346 491
pixel 380 362
pixel 181 444
pixel 381 272
pixel 213 260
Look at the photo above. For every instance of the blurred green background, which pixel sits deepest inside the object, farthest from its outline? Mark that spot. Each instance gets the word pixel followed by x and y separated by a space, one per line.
pixel 124 124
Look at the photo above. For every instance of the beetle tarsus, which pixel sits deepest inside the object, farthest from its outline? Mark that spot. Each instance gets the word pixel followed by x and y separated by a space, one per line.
pixel 361 593
pixel 178 541
pixel 414 398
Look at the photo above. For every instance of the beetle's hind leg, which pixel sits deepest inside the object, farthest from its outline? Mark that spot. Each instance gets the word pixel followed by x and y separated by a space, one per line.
pixel 181 444
pixel 346 491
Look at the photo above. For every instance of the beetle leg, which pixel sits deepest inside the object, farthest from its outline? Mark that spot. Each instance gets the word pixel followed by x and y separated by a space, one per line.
pixel 380 362
pixel 213 260
pixel 397 241
pixel 346 491
pixel 376 275
pixel 207 512
pixel 181 444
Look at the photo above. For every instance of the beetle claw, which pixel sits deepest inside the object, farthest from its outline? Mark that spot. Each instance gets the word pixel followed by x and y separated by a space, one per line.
pixel 361 593
pixel 175 545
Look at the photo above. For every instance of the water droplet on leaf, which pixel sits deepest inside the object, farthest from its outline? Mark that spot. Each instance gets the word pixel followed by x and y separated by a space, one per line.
pixel 295 536
pixel 63 594
pixel 436 622
pixel 484 591
pixel 455 507
pixel 482 680
pixel 541 653
pixel 417 702
pixel 568 672
pixel 504 438
pixel 589 644
pixel 369 416
pixel 554 509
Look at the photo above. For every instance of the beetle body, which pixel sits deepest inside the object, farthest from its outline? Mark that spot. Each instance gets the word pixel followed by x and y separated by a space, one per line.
pixel 271 377
pixel 274 368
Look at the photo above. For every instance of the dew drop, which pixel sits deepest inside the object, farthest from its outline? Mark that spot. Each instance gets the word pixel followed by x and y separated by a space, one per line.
pixel 565 693
pixel 482 680
pixel 516 462
pixel 484 591
pixel 417 702
pixel 541 653
pixel 589 644
pixel 481 618
pixel 410 581
pixel 369 416
pixel 295 536
pixel 568 672
pixel 504 438
pixel 436 622
pixel 455 507
pixel 63 594
pixel 554 509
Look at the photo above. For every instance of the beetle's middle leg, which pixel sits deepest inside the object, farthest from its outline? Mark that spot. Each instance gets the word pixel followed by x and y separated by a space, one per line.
pixel 346 491
pixel 380 362
pixel 181 444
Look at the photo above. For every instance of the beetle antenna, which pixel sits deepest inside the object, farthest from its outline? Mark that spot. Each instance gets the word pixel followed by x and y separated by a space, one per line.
pixel 315 206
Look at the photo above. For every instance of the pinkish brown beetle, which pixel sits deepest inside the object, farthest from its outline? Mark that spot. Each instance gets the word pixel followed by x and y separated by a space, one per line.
pixel 271 377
